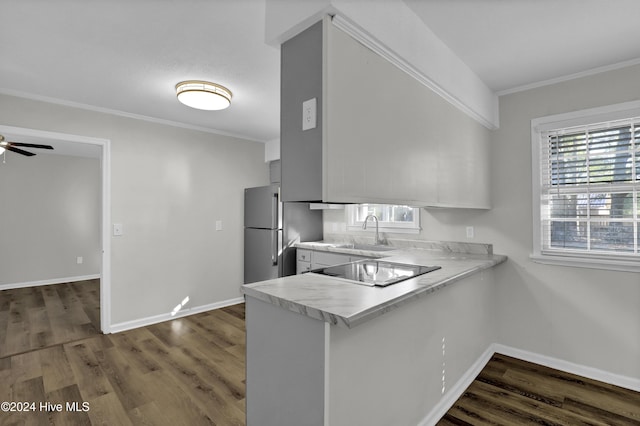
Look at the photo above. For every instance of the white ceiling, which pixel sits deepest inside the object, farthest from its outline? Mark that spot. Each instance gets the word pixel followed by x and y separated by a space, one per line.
pixel 518 43
pixel 127 56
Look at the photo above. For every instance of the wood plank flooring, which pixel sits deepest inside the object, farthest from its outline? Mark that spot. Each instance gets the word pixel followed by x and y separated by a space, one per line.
pixel 509 391
pixel 191 371
pixel 39 317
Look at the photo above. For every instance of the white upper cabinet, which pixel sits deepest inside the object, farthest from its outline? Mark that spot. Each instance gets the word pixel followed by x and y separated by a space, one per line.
pixel 384 137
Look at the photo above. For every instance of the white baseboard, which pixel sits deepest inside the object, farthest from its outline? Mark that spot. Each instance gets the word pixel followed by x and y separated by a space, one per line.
pixel 142 322
pixel 570 367
pixel 456 391
pixel 49 282
pixel 447 401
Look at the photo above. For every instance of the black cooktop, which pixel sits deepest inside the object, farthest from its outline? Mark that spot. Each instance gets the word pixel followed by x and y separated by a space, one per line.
pixel 375 272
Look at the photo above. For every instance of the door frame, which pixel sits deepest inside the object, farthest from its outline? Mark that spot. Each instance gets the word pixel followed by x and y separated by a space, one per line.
pixel 105 165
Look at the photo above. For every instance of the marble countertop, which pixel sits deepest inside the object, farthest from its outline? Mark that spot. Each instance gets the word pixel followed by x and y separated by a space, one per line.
pixel 345 303
pixel 397 245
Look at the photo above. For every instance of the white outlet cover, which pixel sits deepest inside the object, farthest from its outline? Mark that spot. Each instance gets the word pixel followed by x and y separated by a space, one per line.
pixel 470 232
pixel 118 229
pixel 309 114
pixel 218 225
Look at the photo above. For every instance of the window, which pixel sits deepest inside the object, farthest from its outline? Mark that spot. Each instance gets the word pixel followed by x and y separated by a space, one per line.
pixel 587 188
pixel 391 218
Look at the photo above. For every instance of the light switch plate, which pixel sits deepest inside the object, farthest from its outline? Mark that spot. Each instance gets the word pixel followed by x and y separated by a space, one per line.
pixel 218 225
pixel 309 114
pixel 118 230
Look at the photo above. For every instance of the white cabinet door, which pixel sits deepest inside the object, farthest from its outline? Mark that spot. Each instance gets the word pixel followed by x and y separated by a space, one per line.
pixel 389 139
pixel 303 255
pixel 308 260
pixel 303 260
pixel 302 267
pixel 321 259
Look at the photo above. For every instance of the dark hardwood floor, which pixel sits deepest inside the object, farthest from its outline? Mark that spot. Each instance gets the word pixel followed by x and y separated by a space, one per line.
pixel 510 391
pixel 191 371
pixel 39 317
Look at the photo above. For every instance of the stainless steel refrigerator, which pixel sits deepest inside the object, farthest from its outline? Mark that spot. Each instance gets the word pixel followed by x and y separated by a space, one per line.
pixel 270 230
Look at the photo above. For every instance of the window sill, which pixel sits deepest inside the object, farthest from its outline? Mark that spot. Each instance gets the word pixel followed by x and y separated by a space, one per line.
pixel 592 263
pixel 372 228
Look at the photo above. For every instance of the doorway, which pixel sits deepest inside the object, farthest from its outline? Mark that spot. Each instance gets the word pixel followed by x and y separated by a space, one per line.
pixel 83 145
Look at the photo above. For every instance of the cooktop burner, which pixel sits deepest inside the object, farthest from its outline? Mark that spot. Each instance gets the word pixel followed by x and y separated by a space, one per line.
pixel 375 272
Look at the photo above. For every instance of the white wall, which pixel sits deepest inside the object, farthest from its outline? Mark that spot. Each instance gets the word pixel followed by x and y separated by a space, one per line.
pixel 587 316
pixel 50 209
pixel 168 187
pixel 590 317
pixel 272 150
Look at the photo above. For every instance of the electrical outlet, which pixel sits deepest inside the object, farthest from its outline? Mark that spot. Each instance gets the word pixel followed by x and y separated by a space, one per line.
pixel 118 229
pixel 309 114
pixel 79 260
pixel 218 225
pixel 470 232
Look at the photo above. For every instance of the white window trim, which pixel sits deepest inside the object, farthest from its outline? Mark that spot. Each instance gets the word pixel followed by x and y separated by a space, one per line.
pixel 397 228
pixel 558 121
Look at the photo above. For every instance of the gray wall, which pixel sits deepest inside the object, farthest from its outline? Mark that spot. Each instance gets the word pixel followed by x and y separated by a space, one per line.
pixel 50 208
pixel 168 187
pixel 586 316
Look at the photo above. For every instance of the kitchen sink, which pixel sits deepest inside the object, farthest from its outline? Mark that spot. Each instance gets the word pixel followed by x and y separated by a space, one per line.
pixel 368 247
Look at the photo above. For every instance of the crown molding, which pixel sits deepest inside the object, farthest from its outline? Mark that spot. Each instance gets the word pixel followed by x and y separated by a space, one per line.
pixel 569 77
pixel 93 108
pixel 363 37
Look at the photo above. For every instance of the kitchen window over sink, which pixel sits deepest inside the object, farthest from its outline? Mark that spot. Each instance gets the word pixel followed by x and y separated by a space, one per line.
pixel 586 186
pixel 391 218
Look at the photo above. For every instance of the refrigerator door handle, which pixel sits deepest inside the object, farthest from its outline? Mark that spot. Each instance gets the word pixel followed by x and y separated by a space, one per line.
pixel 274 211
pixel 274 248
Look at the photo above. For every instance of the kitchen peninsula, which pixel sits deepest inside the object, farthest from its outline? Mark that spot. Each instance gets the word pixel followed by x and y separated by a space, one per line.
pixel 324 350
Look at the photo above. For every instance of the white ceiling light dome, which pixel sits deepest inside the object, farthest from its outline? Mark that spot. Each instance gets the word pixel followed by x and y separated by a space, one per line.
pixel 203 95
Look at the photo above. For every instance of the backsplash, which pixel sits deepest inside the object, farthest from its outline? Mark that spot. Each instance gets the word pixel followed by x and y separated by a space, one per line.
pixel 335 230
pixel 444 246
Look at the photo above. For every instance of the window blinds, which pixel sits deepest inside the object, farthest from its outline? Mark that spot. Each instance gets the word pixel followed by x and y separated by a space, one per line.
pixel 590 189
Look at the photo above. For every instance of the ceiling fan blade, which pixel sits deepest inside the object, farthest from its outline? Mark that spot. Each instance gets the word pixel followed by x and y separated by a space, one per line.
pixel 31 145
pixel 19 151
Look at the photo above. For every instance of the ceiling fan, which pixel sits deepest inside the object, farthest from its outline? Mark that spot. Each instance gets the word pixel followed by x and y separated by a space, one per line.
pixel 12 146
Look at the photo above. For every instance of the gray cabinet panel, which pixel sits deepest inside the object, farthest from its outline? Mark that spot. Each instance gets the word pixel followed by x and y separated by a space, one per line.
pixel 301 224
pixel 301 151
pixel 284 390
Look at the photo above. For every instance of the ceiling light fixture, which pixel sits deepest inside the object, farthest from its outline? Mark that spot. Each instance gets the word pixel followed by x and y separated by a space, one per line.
pixel 203 95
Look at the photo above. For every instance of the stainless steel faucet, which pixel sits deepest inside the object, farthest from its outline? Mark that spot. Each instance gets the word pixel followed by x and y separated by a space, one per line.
pixel 376 240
